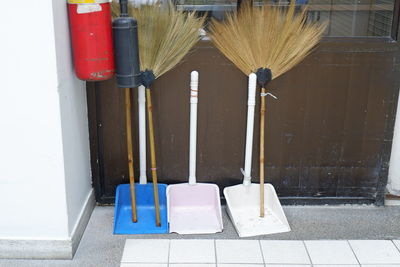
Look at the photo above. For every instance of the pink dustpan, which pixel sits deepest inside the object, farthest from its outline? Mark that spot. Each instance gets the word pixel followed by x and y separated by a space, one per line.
pixel 194 208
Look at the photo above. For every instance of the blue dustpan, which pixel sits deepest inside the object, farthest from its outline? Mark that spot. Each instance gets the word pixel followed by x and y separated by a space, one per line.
pixel 146 223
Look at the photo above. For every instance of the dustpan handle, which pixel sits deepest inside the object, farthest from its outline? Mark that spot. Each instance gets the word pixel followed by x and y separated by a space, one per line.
pixel 251 102
pixel 194 85
pixel 142 133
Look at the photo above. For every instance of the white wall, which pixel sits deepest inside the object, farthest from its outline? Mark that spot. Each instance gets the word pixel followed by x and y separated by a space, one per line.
pixel 74 119
pixel 44 149
pixel 394 168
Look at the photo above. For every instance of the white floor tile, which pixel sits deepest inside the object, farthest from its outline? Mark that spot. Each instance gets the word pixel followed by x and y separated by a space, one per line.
pixel 287 265
pixel 192 251
pixel 144 265
pixel 392 202
pixel 191 265
pixel 397 243
pixel 238 251
pixel 375 251
pixel 380 265
pixel 240 265
pixel 336 265
pixel 284 252
pixel 145 251
pixel 330 252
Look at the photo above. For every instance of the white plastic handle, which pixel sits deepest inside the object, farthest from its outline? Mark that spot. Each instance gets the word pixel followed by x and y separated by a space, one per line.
pixel 194 86
pixel 251 102
pixel 142 134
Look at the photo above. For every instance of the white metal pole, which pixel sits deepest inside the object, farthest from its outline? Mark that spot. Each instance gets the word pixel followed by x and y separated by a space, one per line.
pixel 251 102
pixel 142 133
pixel 194 84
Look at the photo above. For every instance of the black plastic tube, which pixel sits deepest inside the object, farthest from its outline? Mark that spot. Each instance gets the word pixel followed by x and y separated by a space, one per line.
pixel 123 4
pixel 126 49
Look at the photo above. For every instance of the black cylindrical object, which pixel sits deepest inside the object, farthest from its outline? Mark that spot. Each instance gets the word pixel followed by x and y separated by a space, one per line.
pixel 126 49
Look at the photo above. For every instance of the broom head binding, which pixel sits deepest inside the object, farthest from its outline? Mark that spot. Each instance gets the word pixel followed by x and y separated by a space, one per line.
pixel 148 78
pixel 264 76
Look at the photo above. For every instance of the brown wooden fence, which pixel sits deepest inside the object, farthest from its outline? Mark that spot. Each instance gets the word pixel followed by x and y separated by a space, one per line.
pixel 328 136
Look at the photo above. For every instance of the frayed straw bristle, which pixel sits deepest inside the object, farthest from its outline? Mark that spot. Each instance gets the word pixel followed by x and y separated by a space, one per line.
pixel 166 35
pixel 266 37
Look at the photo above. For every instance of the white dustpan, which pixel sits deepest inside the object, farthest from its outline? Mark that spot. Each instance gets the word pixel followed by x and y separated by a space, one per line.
pixel 194 208
pixel 243 201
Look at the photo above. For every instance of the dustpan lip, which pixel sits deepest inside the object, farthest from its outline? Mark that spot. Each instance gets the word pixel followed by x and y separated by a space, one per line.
pixel 226 189
pixel 249 185
pixel 182 184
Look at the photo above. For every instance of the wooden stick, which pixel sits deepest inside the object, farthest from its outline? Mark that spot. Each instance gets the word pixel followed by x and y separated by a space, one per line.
pixel 262 122
pixel 130 151
pixel 153 156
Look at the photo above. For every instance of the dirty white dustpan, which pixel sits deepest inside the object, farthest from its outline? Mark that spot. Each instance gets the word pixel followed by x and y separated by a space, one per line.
pixel 243 201
pixel 194 208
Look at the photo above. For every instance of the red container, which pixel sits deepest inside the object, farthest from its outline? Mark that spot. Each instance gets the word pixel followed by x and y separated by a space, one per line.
pixel 91 39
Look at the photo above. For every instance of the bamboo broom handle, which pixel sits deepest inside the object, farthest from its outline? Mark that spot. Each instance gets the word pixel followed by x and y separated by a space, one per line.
pixel 262 122
pixel 130 151
pixel 153 156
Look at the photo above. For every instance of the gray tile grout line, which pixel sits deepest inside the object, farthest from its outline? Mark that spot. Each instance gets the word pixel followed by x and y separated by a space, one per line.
pixel 355 255
pixel 308 253
pixel 169 251
pixel 262 254
pixel 215 251
pixel 394 244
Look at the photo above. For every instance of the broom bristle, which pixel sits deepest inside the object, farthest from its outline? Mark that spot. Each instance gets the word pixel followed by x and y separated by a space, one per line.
pixel 166 35
pixel 266 37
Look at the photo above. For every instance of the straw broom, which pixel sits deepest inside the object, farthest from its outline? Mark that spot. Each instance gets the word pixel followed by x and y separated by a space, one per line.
pixel 166 35
pixel 268 41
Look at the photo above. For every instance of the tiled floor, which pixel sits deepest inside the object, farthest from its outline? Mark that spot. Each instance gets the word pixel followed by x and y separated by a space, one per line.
pixel 257 253
pixel 99 247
